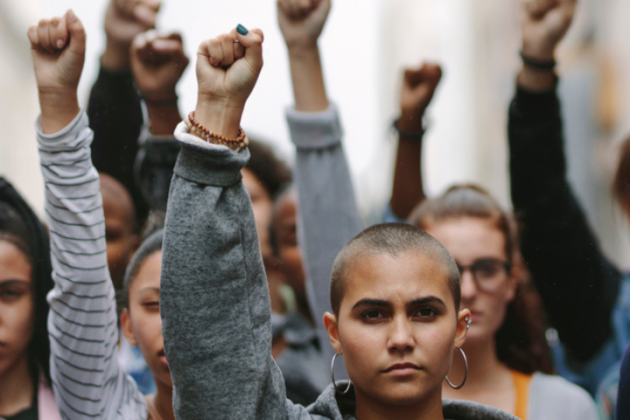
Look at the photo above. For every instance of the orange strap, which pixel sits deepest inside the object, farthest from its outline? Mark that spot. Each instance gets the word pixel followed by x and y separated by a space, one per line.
pixel 521 385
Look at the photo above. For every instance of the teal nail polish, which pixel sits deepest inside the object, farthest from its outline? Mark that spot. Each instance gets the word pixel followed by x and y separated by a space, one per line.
pixel 241 29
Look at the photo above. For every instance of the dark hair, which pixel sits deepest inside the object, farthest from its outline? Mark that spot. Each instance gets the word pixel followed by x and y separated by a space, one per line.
pixel 521 342
pixel 393 239
pixel 621 182
pixel 20 226
pixel 153 236
pixel 268 168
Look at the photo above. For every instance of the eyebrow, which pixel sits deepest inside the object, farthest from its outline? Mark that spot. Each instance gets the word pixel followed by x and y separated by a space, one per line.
pixel 10 282
pixel 371 302
pixel 385 304
pixel 425 300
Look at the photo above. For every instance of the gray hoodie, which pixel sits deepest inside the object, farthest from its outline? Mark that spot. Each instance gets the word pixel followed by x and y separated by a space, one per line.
pixel 215 302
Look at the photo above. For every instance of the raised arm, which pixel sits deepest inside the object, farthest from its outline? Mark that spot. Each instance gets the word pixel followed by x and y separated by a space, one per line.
pixel 214 298
pixel 329 216
pixel 87 379
pixel 114 108
pixel 416 94
pixel 557 243
pixel 158 62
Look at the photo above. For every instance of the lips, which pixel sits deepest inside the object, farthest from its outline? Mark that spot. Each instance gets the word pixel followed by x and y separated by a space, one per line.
pixel 402 367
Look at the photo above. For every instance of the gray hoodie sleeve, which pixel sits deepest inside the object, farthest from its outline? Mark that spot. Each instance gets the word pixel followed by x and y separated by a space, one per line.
pixel 214 297
pixel 329 216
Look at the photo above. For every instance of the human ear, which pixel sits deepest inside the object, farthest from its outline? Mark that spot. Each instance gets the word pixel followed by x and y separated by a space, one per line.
pixel 463 324
pixel 330 322
pixel 127 328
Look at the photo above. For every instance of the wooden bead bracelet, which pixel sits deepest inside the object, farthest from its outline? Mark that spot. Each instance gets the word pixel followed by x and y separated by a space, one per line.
pixel 200 131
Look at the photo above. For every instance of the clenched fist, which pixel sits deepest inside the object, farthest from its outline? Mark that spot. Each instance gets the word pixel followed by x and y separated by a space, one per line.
pixel 302 21
pixel 417 92
pixel 124 20
pixel 158 62
pixel 227 70
pixel 544 24
pixel 58 51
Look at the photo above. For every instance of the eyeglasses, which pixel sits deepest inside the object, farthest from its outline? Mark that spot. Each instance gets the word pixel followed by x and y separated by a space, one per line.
pixel 489 274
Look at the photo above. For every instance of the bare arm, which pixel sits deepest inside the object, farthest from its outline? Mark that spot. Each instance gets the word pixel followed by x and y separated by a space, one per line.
pixel 416 95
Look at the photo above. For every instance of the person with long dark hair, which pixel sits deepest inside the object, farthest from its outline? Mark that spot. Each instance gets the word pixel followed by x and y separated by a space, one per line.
pixel 25 280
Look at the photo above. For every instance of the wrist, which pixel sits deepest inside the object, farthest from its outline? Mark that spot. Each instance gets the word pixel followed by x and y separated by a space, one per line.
pixel 116 56
pixel 163 119
pixel 539 52
pixel 164 97
pixel 302 50
pixel 220 117
pixel 410 122
pixel 57 110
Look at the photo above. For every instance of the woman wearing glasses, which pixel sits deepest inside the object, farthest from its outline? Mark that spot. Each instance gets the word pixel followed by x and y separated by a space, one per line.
pixel 506 351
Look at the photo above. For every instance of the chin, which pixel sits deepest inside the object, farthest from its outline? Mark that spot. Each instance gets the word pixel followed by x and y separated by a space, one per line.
pixel 401 395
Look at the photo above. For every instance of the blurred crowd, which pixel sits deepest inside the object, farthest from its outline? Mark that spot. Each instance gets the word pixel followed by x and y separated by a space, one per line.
pixel 185 271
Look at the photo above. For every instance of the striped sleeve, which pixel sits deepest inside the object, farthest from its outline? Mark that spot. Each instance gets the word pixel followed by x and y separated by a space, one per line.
pixel 87 379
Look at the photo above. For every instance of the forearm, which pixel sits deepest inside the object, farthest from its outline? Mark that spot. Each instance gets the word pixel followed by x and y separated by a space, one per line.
pixel 163 118
pixel 115 117
pixel 82 321
pixel 217 333
pixel 308 79
pixel 407 191
pixel 116 56
pixel 329 216
pixel 153 169
pixel 558 245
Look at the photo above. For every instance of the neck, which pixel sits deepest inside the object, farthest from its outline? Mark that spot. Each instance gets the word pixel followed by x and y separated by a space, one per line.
pixel 163 401
pixel 16 388
pixel 430 408
pixel 484 368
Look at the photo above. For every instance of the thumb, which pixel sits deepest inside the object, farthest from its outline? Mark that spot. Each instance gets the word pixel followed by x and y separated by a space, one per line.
pixel 76 32
pixel 252 41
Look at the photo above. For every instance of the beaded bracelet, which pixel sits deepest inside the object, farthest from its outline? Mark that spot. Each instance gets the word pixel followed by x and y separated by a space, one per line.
pixel 200 131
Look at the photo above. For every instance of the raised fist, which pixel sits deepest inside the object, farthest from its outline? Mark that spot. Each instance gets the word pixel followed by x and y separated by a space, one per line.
pixel 228 66
pixel 158 62
pixel 125 19
pixel 227 70
pixel 544 24
pixel 58 51
pixel 417 92
pixel 302 21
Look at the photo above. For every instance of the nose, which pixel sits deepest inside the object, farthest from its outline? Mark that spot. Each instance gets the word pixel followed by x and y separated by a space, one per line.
pixel 468 286
pixel 401 337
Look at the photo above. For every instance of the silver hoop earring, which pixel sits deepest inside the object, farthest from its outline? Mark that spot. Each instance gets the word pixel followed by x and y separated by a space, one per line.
pixel 465 376
pixel 332 375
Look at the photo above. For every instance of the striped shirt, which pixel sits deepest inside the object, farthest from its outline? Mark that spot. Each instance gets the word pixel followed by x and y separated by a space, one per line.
pixel 87 379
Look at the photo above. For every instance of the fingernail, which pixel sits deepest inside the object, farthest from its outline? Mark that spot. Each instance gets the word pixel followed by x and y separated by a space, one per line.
pixel 71 16
pixel 59 44
pixel 241 29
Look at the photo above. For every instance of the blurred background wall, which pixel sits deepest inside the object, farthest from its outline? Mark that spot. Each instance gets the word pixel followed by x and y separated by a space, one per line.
pixel 365 46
